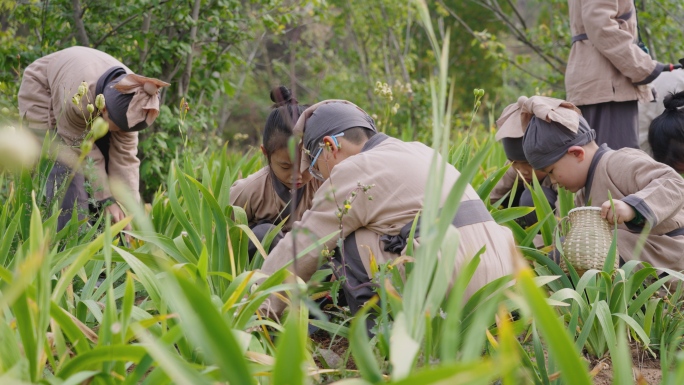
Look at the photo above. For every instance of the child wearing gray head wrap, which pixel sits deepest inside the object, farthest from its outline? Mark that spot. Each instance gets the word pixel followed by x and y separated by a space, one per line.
pixel 634 192
pixel 544 143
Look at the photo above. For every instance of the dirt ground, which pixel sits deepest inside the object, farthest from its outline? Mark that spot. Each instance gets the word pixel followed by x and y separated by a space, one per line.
pixel 334 354
pixel 646 370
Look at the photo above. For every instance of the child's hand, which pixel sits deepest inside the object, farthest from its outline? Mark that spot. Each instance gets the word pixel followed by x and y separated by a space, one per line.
pixel 623 212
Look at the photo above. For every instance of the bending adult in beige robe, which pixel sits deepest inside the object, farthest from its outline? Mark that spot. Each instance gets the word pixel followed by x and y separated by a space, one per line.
pixel 398 172
pixel 45 103
pixel 607 71
pixel 653 189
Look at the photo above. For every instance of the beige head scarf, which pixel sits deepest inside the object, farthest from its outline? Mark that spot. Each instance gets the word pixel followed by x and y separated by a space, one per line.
pixel 145 103
pixel 515 117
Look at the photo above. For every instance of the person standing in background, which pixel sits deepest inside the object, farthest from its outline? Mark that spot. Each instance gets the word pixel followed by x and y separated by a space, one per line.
pixel 608 71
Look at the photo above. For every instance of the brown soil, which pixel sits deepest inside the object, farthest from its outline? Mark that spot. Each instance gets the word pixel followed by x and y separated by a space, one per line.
pixel 339 347
pixel 646 370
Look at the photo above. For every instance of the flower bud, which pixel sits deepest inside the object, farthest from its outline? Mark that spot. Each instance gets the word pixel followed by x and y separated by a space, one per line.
pixel 81 90
pixel 86 146
pixel 100 128
pixel 90 108
pixel 476 92
pixel 481 92
pixel 76 100
pixel 100 102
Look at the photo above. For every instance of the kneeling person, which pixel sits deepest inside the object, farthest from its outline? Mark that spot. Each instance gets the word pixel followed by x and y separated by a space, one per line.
pixel 510 134
pixel 645 193
pixel 345 150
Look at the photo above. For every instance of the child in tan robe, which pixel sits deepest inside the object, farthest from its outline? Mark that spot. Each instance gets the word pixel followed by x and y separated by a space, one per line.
pixel 666 133
pixel 510 135
pixel 266 195
pixel 644 192
pixel 345 150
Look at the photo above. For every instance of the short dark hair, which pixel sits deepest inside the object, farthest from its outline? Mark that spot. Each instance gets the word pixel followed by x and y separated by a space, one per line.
pixel 281 120
pixel 357 135
pixel 666 133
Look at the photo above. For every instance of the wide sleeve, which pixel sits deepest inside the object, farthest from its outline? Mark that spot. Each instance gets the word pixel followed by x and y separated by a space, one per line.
pixel 124 165
pixel 34 97
pixel 659 191
pixel 617 44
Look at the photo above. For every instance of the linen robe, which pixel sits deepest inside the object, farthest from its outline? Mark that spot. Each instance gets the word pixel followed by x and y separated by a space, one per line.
pixel 605 63
pixel 266 199
pixel 45 94
pixel 398 172
pixel 654 189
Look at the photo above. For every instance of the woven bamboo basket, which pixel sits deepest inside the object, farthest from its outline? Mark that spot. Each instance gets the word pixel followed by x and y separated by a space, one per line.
pixel 587 243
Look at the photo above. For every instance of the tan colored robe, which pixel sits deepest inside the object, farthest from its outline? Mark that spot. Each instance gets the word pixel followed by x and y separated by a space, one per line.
pixel 45 104
pixel 265 198
pixel 608 66
pixel 399 173
pixel 653 189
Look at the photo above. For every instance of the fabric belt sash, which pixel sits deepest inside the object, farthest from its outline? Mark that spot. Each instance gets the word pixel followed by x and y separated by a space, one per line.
pixel 583 36
pixel 675 232
pixel 469 212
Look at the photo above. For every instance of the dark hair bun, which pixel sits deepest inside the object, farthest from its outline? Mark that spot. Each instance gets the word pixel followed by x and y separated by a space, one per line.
pixel 673 101
pixel 281 95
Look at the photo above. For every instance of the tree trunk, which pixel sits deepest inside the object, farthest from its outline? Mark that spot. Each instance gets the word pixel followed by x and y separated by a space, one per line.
pixel 145 49
pixel 81 35
pixel 185 79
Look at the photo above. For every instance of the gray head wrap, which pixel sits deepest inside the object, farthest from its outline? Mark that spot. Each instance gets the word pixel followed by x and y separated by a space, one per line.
pixel 513 147
pixel 331 119
pixel 545 143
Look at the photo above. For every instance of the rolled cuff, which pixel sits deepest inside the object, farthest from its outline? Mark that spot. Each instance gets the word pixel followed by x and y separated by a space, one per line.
pixel 656 72
pixel 642 207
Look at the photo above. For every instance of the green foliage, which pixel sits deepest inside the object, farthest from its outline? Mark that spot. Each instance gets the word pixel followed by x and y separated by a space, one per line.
pixel 174 300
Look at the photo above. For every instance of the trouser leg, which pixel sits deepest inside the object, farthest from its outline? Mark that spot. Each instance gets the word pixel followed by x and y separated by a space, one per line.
pixel 260 231
pixel 615 123
pixel 75 195
pixel 350 268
